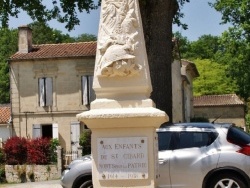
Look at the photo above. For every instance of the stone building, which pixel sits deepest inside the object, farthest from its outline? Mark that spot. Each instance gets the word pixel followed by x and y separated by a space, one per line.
pixel 49 85
pixel 5 123
pixel 183 74
pixel 221 109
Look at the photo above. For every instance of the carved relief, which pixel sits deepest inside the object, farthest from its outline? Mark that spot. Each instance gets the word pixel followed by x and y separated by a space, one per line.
pixel 118 42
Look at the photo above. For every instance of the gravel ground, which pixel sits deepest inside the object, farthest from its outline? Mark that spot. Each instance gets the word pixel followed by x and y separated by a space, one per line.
pixel 43 184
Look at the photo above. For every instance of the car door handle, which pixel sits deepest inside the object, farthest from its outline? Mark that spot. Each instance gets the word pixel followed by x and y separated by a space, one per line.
pixel 163 161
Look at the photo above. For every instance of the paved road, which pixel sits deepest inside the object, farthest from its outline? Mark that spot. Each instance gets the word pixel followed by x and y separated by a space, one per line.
pixel 43 184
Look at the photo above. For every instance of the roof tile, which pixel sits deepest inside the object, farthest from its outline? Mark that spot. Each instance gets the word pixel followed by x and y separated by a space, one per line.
pixel 63 50
pixel 4 113
pixel 217 100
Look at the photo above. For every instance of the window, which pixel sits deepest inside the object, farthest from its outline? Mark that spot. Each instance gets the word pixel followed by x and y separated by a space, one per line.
pixel 45 131
pixel 164 140
pixel 88 94
pixel 45 91
pixel 196 139
pixel 182 140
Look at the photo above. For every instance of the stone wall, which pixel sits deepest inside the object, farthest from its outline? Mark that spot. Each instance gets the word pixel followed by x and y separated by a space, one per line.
pixel 31 173
pixel 223 114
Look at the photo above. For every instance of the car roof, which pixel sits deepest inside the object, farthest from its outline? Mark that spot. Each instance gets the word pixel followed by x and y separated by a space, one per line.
pixel 194 126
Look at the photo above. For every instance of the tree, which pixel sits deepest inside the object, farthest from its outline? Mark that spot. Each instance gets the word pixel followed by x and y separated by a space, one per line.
pixel 183 45
pixel 157 21
pixel 43 34
pixel 213 79
pixel 157 18
pixel 236 42
pixel 86 38
pixel 8 46
pixel 204 48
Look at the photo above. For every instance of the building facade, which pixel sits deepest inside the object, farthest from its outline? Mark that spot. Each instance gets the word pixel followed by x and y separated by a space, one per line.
pixel 227 108
pixel 49 85
pixel 183 74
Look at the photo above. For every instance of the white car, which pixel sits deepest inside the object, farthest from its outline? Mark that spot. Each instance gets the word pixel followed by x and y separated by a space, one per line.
pixel 191 155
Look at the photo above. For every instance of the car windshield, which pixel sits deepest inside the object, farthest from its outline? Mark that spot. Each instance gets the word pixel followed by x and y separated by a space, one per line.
pixel 237 136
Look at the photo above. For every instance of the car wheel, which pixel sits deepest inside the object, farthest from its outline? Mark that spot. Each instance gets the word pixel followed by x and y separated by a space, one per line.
pixel 87 184
pixel 228 181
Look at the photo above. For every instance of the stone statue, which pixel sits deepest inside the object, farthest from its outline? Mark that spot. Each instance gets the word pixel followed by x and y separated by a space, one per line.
pixel 118 42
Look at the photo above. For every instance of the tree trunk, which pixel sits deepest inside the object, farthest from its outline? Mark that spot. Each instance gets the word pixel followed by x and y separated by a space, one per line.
pixel 157 18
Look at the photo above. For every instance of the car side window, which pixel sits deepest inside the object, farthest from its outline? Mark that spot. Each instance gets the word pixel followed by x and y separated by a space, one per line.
pixel 182 140
pixel 195 139
pixel 164 140
pixel 186 140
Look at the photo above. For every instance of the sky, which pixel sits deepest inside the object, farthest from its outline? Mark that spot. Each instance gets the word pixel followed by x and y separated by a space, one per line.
pixel 200 17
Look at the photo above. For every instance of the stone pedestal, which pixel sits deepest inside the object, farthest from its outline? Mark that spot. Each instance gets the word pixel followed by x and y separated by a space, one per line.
pixel 123 118
pixel 124 146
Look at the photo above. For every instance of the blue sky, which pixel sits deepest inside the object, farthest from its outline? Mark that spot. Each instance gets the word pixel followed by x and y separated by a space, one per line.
pixel 200 17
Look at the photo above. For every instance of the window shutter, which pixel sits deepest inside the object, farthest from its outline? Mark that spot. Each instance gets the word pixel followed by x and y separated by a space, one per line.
pixel 55 130
pixel 84 91
pixel 41 92
pixel 49 92
pixel 91 90
pixel 37 131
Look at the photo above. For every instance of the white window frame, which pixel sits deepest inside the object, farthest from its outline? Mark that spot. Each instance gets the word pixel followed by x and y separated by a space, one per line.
pixel 45 91
pixel 37 131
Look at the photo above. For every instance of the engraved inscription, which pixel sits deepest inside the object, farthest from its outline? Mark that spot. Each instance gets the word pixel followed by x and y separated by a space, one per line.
pixel 122 158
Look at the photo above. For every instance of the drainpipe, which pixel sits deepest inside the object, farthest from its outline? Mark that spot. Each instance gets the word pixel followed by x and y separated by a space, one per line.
pixel 26 117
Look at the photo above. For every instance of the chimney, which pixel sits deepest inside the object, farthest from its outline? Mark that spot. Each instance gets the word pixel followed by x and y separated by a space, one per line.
pixel 24 39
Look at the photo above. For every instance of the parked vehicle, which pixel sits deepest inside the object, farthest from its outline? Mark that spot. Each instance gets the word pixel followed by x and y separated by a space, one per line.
pixel 191 155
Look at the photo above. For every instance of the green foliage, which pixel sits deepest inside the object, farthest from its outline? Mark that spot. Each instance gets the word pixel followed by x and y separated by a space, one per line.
pixel 248 122
pixel 85 142
pixel 236 42
pixel 213 79
pixel 178 15
pixel 8 46
pixel 183 45
pixel 85 38
pixel 61 10
pixel 53 149
pixel 204 48
pixel 236 55
pixel 2 156
pixel 2 174
pixel 43 34
pixel 236 13
pixel 65 11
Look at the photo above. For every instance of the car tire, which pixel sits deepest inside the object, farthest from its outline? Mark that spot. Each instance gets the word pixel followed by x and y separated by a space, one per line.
pixel 86 184
pixel 227 180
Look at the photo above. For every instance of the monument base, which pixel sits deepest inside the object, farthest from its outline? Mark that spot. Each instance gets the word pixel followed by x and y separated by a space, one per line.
pixel 124 146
